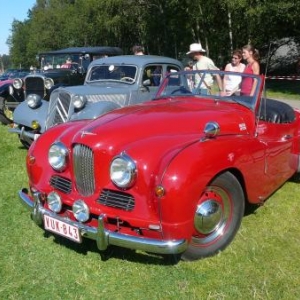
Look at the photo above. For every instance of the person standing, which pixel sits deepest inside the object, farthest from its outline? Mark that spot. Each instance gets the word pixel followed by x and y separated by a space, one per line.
pixel 251 55
pixel 196 52
pixel 231 83
pixel 138 50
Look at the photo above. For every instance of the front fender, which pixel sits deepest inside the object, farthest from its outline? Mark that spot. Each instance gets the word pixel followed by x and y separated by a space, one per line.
pixel 94 110
pixel 24 115
pixel 4 90
pixel 192 169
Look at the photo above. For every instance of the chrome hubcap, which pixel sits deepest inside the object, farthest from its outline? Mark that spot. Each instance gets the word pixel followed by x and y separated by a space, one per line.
pixel 212 215
pixel 208 216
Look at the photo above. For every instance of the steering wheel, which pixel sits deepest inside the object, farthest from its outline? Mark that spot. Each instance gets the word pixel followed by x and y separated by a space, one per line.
pixel 126 78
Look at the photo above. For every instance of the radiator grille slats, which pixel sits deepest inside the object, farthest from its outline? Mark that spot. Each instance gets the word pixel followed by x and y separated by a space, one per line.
pixel 83 161
pixel 116 199
pixel 35 85
pixel 62 184
pixel 58 109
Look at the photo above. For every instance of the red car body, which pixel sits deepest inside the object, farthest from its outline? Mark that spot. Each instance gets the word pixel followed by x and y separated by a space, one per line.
pixel 194 162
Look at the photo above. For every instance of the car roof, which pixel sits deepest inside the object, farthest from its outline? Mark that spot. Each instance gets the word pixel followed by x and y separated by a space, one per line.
pixel 139 60
pixel 103 50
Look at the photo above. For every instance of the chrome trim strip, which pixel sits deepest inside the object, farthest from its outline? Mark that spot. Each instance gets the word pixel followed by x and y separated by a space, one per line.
pixel 102 236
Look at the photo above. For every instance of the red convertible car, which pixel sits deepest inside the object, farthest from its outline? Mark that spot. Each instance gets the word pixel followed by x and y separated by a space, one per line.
pixel 169 176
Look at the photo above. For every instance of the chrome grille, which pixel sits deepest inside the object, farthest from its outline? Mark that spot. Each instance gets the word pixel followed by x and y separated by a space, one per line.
pixel 62 184
pixel 83 161
pixel 116 199
pixel 58 109
pixel 35 85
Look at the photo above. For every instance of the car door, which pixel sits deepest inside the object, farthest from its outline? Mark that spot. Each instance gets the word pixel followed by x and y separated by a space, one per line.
pixel 279 140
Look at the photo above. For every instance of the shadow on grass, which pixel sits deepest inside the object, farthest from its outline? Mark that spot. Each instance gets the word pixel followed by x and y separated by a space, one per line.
pixel 115 252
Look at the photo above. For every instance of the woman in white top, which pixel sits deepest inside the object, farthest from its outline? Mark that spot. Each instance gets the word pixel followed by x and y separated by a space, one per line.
pixel 231 83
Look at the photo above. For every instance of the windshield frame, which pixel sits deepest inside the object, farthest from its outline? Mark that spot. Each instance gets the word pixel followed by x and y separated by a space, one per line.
pixel 183 76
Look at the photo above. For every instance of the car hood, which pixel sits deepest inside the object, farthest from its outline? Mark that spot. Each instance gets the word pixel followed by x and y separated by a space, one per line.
pixel 164 119
pixel 103 88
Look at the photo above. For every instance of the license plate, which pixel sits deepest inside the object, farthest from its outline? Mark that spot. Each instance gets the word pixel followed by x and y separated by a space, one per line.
pixel 64 229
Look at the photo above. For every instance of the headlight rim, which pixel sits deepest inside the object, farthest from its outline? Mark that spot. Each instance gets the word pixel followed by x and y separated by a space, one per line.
pixel 63 163
pixel 34 101
pixel 79 101
pixel 132 171
pixel 16 85
pixel 48 83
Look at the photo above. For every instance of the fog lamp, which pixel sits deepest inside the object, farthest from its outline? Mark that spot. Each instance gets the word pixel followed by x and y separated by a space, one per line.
pixel 81 211
pixel 35 125
pixel 54 202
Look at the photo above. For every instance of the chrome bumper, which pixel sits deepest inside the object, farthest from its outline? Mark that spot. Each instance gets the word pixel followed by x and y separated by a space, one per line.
pixel 102 236
pixel 24 135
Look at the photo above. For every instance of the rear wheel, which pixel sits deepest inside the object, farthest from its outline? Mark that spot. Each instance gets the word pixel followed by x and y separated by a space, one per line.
pixel 217 217
pixel 6 115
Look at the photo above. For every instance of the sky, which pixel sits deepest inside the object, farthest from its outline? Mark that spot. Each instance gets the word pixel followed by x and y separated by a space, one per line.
pixel 12 10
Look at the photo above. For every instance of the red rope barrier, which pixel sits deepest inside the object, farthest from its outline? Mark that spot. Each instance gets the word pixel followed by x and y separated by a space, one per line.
pixel 294 77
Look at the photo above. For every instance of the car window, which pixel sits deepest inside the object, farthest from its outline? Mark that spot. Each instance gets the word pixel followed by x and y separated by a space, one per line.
pixel 113 72
pixel 172 69
pixel 154 74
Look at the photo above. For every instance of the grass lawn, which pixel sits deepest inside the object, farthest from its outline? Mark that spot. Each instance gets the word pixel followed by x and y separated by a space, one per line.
pixel 262 262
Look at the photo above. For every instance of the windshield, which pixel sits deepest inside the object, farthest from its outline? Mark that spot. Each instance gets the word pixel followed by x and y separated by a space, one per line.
pixel 120 73
pixel 224 86
pixel 67 61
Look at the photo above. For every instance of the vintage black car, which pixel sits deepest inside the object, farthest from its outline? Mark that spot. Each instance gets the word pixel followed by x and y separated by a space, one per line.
pixel 64 67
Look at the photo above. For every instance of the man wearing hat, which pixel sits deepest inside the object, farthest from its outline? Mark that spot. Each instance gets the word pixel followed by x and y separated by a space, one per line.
pixel 202 63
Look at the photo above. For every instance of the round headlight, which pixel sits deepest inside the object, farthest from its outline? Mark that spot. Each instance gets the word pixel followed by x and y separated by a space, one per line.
pixel 81 211
pixel 123 171
pixel 17 83
pixel 49 83
pixel 34 100
pixel 57 156
pixel 54 202
pixel 79 101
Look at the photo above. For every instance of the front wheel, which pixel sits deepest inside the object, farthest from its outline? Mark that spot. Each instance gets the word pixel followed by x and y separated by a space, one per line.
pixel 218 216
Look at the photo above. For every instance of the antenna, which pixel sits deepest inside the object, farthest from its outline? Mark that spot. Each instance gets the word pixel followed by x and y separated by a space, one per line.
pixel 264 98
pixel 266 70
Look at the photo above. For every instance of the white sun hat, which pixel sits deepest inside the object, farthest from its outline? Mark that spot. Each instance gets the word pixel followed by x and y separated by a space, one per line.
pixel 195 47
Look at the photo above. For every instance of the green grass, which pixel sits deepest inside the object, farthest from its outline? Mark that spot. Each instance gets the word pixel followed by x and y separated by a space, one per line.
pixel 261 263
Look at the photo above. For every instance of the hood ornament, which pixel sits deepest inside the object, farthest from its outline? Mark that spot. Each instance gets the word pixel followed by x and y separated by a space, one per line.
pixel 84 133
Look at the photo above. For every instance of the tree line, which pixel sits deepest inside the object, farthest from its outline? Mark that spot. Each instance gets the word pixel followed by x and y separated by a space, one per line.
pixel 162 27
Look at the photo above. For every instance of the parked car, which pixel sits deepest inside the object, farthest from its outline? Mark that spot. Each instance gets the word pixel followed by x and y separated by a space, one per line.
pixel 7 105
pixel 169 176
pixel 64 67
pixel 111 83
pixel 12 73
